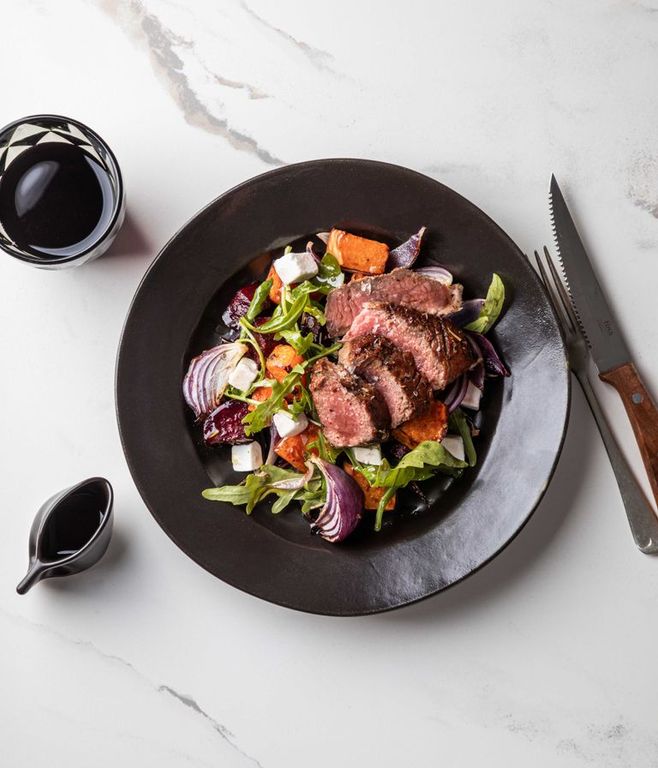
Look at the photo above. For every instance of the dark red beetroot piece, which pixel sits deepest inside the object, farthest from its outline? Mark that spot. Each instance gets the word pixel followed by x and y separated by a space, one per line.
pixel 401 286
pixel 350 410
pixel 239 305
pixel 224 424
pixel 392 372
pixel 264 340
pixel 441 352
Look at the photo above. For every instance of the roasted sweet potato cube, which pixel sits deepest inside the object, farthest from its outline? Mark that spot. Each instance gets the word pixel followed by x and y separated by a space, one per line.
pixel 280 360
pixel 275 290
pixel 431 426
pixel 372 496
pixel 293 449
pixel 357 254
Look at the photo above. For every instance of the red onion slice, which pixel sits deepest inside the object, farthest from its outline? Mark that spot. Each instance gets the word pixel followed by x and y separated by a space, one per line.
pixel 344 504
pixel 470 311
pixel 406 253
pixel 438 273
pixel 274 441
pixel 493 365
pixel 295 483
pixel 207 376
pixel 324 236
pixel 456 393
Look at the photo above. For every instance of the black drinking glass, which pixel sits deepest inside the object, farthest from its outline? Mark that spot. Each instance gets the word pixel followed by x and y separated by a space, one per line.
pixel 62 200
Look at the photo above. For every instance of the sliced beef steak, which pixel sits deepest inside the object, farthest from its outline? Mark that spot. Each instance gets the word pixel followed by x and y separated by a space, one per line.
pixel 401 286
pixel 392 372
pixel 440 351
pixel 350 409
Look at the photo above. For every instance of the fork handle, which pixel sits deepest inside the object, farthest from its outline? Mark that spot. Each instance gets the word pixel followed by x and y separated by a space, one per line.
pixel 642 413
pixel 641 518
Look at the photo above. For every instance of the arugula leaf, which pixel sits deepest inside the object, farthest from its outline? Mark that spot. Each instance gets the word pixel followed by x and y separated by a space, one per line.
pixel 419 464
pixel 300 343
pixel 254 488
pixel 247 336
pixel 329 275
pixel 324 448
pixel 493 305
pixel 459 422
pixel 261 416
pixel 280 322
pixel 259 299
pixel 285 497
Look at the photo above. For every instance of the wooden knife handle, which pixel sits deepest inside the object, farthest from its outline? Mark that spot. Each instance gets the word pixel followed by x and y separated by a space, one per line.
pixel 642 413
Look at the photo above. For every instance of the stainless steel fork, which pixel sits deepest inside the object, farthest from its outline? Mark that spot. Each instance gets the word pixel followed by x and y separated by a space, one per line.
pixel 641 517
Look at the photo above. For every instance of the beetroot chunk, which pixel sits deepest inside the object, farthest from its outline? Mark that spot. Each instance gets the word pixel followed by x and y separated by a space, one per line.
pixel 239 305
pixel 224 424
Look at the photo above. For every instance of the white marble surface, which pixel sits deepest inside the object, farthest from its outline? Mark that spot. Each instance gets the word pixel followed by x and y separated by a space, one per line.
pixel 544 658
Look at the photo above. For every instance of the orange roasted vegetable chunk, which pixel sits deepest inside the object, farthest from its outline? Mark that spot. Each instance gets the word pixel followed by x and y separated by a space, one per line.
pixel 357 253
pixel 275 290
pixel 293 449
pixel 431 426
pixel 371 495
pixel 260 394
pixel 280 360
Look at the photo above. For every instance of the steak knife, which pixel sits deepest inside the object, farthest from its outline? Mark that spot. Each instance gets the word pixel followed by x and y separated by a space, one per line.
pixel 609 350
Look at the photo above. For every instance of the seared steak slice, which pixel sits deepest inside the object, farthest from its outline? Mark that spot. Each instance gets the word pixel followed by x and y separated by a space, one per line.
pixel 401 286
pixel 350 410
pixel 440 351
pixel 392 372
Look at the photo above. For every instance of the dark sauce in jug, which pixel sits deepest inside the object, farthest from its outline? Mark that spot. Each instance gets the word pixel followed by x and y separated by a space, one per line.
pixel 55 201
pixel 72 524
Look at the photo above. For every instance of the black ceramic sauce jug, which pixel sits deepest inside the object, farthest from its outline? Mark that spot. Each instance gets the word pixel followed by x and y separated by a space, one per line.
pixel 70 532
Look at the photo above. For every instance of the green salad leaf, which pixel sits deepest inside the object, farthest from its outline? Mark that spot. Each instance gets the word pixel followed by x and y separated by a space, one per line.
pixel 419 464
pixel 300 343
pixel 261 416
pixel 329 275
pixel 280 321
pixel 259 299
pixel 459 422
pixel 493 305
pixel 256 487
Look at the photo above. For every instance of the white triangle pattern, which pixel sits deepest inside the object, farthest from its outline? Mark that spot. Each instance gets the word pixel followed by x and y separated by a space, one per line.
pixel 24 130
pixel 13 151
pixel 51 137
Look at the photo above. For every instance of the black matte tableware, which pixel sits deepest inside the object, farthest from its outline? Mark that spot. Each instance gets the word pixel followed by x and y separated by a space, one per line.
pixel 61 192
pixel 70 532
pixel 177 313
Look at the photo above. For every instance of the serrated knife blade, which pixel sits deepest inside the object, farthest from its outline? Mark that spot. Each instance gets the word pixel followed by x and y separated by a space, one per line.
pixel 599 326
pixel 606 342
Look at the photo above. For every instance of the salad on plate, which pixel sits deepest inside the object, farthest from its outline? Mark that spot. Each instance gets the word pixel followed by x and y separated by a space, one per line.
pixel 346 376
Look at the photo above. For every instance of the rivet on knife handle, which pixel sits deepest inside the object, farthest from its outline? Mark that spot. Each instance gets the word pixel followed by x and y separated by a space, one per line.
pixel 642 413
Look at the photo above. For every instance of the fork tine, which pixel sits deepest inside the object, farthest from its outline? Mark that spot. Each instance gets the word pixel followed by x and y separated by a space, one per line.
pixel 559 310
pixel 562 318
pixel 564 298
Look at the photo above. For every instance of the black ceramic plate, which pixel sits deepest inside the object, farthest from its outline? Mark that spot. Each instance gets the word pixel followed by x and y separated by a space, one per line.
pixel 176 314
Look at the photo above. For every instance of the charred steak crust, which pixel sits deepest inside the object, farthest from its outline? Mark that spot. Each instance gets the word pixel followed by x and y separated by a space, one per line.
pixel 400 286
pixel 440 351
pixel 392 372
pixel 350 410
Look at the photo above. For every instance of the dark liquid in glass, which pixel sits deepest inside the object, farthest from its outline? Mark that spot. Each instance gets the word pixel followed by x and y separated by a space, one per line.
pixel 55 201
pixel 72 524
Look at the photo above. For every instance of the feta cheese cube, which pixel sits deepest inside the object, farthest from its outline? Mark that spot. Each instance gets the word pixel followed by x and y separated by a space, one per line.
pixel 454 445
pixel 369 454
pixel 295 267
pixel 287 425
pixel 244 374
pixel 247 457
pixel 472 397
